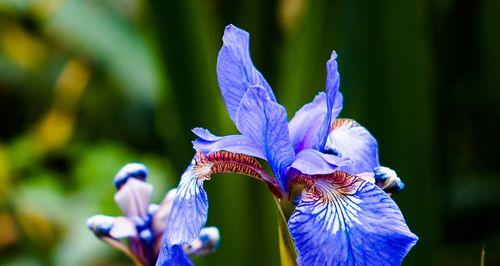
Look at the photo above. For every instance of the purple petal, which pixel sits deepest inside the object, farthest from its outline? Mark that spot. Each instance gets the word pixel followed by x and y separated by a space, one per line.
pixel 306 123
pixel 160 217
pixel 235 70
pixel 310 126
pixel 351 140
pixel 264 123
pixel 313 162
pixel 208 143
pixel 133 197
pixel 123 227
pixel 116 227
pixel 333 99
pixel 345 220
pixel 189 211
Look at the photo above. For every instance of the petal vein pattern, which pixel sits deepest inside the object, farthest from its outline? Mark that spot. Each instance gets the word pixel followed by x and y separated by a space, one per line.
pixel 351 140
pixel 190 207
pixel 264 122
pixel 235 70
pixel 345 220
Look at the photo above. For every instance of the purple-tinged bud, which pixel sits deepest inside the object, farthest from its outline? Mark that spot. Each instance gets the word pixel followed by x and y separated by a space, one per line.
pixel 100 225
pixel 207 242
pixel 388 180
pixel 131 170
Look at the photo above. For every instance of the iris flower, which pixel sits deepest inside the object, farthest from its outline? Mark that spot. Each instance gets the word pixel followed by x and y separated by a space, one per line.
pixel 327 166
pixel 144 223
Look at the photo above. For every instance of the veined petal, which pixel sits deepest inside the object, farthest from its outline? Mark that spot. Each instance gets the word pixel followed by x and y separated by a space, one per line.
pixel 307 122
pixel 349 139
pixel 235 70
pixel 176 257
pixel 133 197
pixel 310 126
pixel 345 220
pixel 313 162
pixel 188 215
pixel 190 207
pixel 208 143
pixel 264 123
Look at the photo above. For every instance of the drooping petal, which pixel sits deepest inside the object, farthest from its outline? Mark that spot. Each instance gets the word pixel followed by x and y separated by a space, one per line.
pixel 313 162
pixel 208 143
pixel 264 123
pixel 190 207
pixel 175 257
pixel 115 227
pixel 349 139
pixel 133 197
pixel 188 215
pixel 310 126
pixel 345 220
pixel 235 70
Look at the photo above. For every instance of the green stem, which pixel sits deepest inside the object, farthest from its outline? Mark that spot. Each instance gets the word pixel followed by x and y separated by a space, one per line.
pixel 288 253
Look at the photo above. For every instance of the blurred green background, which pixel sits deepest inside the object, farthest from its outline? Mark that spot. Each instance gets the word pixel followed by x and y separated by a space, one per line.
pixel 89 85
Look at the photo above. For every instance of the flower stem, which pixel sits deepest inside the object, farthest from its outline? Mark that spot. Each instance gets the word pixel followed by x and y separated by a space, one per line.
pixel 288 253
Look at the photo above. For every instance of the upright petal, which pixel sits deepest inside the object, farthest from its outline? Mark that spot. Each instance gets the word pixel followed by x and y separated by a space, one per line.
pixel 235 70
pixel 333 99
pixel 264 123
pixel 313 162
pixel 345 220
pixel 307 122
pixel 208 143
pixel 349 139
pixel 133 197
pixel 310 126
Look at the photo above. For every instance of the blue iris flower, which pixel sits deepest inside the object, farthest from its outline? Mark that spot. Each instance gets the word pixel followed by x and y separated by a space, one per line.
pixel 144 223
pixel 344 214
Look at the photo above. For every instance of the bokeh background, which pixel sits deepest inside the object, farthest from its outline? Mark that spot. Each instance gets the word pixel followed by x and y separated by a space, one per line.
pixel 89 85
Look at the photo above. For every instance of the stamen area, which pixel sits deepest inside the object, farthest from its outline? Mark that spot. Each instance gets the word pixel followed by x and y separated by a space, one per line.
pixel 330 186
pixel 223 162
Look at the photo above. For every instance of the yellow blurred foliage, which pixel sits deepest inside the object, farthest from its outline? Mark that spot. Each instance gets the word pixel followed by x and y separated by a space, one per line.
pixel 4 172
pixel 36 226
pixel 22 48
pixel 56 127
pixel 290 12
pixel 8 231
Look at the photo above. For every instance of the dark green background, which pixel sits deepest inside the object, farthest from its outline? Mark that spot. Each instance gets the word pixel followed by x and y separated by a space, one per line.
pixel 422 76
